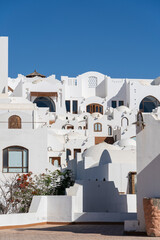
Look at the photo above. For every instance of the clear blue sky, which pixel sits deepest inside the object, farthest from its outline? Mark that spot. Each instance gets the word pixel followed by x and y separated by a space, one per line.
pixel 120 38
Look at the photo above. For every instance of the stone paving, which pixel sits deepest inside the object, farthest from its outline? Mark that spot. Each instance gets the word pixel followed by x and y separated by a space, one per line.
pixel 68 232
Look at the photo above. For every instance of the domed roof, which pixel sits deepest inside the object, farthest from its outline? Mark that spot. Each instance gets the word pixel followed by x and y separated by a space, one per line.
pixel 123 109
pixel 75 135
pixel 104 153
pixel 126 142
pixel 97 115
pixel 156 81
pixel 100 152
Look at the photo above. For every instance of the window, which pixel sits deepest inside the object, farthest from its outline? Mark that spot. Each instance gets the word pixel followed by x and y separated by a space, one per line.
pixel 98 127
pixel 94 108
pixel 148 104
pixel 121 103
pixel 92 82
pixel 109 130
pixel 70 127
pixel 45 102
pixel 76 150
pixel 14 122
pixel 68 107
pixel 114 104
pixel 75 106
pixel 15 160
pixel 55 161
pixel 68 153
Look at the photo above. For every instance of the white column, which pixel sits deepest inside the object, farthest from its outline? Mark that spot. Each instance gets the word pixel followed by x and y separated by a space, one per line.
pixel 3 66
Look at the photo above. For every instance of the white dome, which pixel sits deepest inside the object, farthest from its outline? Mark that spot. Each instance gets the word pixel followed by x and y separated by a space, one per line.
pixel 126 142
pixel 97 115
pixel 100 151
pixel 75 135
pixel 156 81
pixel 123 109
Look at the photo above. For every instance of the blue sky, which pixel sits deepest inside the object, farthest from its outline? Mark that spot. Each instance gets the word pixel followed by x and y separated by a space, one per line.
pixel 120 38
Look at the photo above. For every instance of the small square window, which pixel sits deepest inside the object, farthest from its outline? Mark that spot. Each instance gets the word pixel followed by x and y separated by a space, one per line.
pixel 114 104
pixel 121 103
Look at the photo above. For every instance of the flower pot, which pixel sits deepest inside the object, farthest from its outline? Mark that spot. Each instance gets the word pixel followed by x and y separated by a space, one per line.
pixel 152 216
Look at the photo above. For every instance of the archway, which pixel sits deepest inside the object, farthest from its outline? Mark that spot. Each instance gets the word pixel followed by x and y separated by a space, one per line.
pixel 45 102
pixel 124 122
pixel 148 104
pixel 14 121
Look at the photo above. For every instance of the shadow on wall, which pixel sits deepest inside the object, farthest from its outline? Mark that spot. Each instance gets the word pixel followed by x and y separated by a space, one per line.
pixel 148 185
pixel 99 194
pixel 119 94
pixel 102 196
pixel 105 158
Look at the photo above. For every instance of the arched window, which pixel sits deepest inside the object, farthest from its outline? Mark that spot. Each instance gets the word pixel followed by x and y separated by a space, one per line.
pixel 148 104
pixel 45 102
pixel 68 153
pixel 56 163
pixel 109 130
pixel 94 107
pixel 15 159
pixel 124 122
pixel 14 122
pixel 98 127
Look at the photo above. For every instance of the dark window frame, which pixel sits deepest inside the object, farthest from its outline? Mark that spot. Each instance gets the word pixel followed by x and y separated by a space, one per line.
pixel 16 149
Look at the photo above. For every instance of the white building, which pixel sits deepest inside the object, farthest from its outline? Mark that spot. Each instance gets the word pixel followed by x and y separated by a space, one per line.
pixel 50 123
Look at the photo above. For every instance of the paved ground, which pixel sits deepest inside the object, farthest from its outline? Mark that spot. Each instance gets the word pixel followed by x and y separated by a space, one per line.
pixel 68 232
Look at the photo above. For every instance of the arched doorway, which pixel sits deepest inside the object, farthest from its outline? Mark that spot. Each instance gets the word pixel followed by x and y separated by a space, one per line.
pixel 45 102
pixel 148 104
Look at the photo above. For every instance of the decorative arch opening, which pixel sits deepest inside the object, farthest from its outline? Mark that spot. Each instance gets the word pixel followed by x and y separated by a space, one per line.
pixel 148 104
pixel 124 122
pixel 45 102
pixel 15 159
pixel 94 107
pixel 14 121
pixel 109 131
